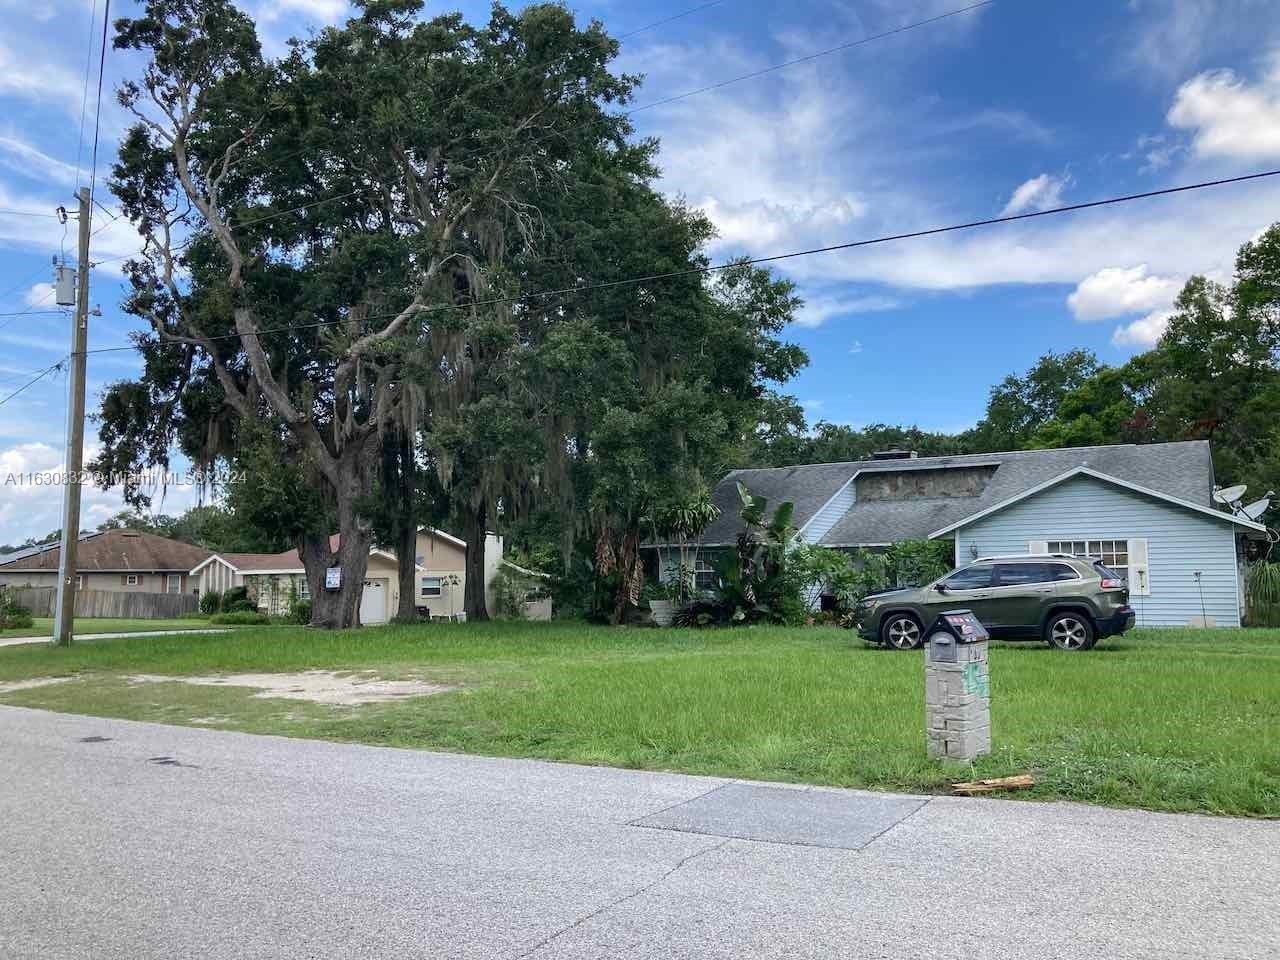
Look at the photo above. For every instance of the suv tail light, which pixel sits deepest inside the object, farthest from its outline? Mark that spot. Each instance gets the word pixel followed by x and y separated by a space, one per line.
pixel 1109 583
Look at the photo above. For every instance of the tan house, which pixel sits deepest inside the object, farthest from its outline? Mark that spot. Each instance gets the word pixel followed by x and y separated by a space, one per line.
pixel 118 561
pixel 276 580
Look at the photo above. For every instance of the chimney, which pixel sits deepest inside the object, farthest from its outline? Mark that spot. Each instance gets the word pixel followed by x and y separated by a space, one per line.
pixel 895 455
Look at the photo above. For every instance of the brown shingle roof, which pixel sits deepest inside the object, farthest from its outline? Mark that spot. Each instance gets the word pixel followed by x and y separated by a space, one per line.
pixel 117 550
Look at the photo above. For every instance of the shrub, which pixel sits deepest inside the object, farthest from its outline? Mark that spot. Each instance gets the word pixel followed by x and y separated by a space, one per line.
pixel 211 602
pixel 299 612
pixel 234 595
pixel 12 616
pixel 240 618
pixel 15 618
pixel 1262 594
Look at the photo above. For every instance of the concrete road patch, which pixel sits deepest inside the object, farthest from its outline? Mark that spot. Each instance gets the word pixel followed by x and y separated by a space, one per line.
pixel 809 817
pixel 136 841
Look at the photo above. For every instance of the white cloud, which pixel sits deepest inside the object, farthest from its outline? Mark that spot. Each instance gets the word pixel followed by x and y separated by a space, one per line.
pixel 23 158
pixel 1229 116
pixel 1038 193
pixel 40 294
pixel 812 404
pixel 29 509
pixel 1144 333
pixel 323 11
pixel 818 310
pixel 30 73
pixel 857 347
pixel 1116 291
pixel 1174 37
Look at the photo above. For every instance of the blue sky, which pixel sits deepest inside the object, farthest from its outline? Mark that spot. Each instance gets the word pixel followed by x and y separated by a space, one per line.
pixel 1013 107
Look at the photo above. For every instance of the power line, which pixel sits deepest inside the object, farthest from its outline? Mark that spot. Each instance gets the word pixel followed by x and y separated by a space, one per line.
pixel 670 19
pixel 753 261
pixel 29 313
pixel 839 48
pixel 25 213
pixel 97 117
pixel 38 377
pixel 84 95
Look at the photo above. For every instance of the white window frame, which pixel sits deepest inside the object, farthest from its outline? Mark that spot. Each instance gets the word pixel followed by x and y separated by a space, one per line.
pixel 1097 549
pixel 705 578
pixel 79 581
pixel 173 583
pixel 130 579
pixel 423 588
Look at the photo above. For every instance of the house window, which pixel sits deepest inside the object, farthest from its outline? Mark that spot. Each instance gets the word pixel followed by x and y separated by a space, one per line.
pixel 304 589
pixel 132 580
pixel 173 583
pixel 705 578
pixel 80 581
pixel 1114 554
pixel 431 586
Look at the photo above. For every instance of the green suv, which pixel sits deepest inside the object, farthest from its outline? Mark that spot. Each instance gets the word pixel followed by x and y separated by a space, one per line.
pixel 1069 602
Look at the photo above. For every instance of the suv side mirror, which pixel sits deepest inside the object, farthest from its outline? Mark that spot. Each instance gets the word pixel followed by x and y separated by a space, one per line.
pixel 940 587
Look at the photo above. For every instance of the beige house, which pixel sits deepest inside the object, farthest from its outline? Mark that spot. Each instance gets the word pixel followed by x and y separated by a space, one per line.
pixel 116 561
pixel 276 580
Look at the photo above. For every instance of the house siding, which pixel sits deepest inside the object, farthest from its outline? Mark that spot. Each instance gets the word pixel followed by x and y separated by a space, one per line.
pixel 826 518
pixel 1179 542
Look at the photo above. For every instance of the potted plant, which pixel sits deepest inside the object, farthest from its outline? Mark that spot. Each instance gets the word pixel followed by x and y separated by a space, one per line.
pixel 661 605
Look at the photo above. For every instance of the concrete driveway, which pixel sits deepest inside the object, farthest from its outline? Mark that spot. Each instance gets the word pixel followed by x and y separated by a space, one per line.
pixel 130 840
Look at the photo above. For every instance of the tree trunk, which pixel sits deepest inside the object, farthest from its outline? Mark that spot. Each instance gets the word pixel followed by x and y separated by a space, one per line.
pixel 473 597
pixel 407 545
pixel 339 609
pixel 628 566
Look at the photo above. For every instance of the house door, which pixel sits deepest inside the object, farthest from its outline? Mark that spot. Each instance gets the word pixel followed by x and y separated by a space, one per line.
pixel 373 602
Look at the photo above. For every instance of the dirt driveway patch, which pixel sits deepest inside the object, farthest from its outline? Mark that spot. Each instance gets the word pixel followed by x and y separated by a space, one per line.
pixel 12 685
pixel 318 686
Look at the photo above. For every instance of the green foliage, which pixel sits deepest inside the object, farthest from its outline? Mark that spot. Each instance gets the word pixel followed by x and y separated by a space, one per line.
pixel 847 577
pixel 234 595
pixel 758 583
pixel 913 563
pixel 1262 594
pixel 240 618
pixel 509 592
pixel 12 616
pixel 299 612
pixel 210 602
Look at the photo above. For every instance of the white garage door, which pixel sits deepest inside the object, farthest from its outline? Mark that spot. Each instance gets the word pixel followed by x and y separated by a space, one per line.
pixel 373 602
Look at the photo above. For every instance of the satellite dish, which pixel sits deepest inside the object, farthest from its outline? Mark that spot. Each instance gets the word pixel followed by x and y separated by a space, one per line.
pixel 1230 494
pixel 1256 509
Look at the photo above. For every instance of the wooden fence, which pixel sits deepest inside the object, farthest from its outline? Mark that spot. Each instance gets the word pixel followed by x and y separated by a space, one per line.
pixel 107 603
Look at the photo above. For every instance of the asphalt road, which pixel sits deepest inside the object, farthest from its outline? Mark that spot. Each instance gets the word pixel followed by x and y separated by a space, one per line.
pixel 131 840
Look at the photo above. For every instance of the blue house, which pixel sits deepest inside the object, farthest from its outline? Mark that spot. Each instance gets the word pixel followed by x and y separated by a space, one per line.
pixel 1147 511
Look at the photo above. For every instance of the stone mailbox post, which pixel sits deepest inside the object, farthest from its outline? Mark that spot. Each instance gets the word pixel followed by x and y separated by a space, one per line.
pixel 957 694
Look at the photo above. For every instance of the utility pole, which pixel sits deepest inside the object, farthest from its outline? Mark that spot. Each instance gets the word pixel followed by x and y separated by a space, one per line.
pixel 65 615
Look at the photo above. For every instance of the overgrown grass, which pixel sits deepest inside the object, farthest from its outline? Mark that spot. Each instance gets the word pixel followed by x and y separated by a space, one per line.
pixel 43 626
pixel 1166 720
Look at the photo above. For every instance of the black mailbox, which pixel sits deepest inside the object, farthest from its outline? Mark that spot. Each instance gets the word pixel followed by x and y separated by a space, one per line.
pixel 953 627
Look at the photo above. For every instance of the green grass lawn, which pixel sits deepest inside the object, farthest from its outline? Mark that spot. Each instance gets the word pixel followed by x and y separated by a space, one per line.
pixel 1166 720
pixel 43 626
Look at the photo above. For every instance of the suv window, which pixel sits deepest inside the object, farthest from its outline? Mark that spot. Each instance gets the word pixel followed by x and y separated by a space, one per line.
pixel 970 578
pixel 1015 574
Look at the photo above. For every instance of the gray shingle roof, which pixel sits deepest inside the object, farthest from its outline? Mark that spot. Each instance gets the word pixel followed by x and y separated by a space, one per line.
pixel 1183 470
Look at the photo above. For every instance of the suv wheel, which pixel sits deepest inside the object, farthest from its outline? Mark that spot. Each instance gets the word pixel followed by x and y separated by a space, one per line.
pixel 1070 631
pixel 901 631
